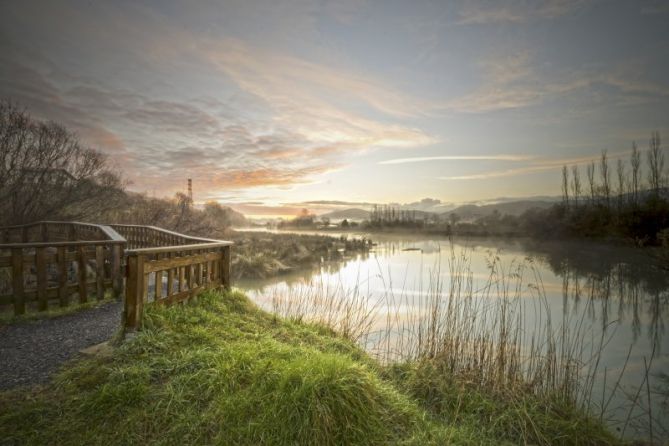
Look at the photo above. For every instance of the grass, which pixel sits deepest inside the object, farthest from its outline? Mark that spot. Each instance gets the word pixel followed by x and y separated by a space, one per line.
pixel 265 254
pixel 222 371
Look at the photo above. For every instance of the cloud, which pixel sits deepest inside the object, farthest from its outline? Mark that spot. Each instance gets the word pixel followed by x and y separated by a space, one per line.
pixel 268 211
pixel 458 157
pixel 658 7
pixel 516 11
pixel 537 166
pixel 300 94
pixel 514 80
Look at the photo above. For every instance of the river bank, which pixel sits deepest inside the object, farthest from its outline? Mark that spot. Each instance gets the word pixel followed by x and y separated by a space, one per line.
pixel 221 371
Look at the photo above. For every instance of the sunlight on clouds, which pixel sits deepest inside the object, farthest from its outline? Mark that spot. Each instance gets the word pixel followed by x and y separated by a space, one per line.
pixel 537 166
pixel 299 94
pixel 458 157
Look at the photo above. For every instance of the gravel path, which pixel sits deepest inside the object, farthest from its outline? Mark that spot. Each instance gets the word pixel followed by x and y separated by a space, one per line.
pixel 31 351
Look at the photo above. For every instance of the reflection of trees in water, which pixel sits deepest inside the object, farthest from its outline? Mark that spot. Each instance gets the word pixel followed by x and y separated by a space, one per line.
pixel 619 282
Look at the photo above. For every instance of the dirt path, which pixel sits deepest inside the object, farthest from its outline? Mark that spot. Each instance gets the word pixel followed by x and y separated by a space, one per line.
pixel 31 351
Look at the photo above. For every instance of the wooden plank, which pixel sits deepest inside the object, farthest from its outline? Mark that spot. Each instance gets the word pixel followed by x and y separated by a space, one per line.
pixel 40 266
pixel 134 291
pixel 83 280
pixel 17 281
pixel 182 278
pixel 145 287
pixel 99 272
pixel 194 247
pixel 181 296
pixel 175 262
pixel 198 275
pixel 215 269
pixel 170 277
pixel 131 292
pixel 116 273
pixel 225 268
pixel 207 273
pixel 159 285
pixel 190 277
pixel 63 243
pixel 63 293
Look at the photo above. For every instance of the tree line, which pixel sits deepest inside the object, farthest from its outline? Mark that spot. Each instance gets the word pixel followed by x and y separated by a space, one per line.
pixel 627 199
pixel 47 173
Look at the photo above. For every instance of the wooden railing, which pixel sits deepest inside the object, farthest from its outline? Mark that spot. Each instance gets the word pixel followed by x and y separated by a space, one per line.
pixel 171 274
pixel 48 260
pixel 152 237
pixel 46 263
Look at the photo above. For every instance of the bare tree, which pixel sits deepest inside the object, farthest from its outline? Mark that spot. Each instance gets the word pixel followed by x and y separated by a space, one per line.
pixel 604 175
pixel 45 173
pixel 575 184
pixel 565 186
pixel 620 170
pixel 635 163
pixel 655 163
pixel 590 172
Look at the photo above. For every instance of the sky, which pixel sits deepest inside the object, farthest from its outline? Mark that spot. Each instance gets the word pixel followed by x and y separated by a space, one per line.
pixel 274 106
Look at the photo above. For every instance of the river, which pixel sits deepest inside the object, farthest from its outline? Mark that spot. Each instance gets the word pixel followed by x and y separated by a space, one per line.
pixel 615 299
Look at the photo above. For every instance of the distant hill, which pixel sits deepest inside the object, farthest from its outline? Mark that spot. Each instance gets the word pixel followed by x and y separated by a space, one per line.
pixel 348 214
pixel 472 212
pixel 467 212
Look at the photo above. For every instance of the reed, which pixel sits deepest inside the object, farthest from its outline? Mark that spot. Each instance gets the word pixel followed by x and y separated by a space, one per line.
pixel 496 335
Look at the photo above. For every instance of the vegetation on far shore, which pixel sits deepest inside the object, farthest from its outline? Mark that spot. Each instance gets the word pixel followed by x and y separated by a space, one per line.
pixel 221 371
pixel 262 254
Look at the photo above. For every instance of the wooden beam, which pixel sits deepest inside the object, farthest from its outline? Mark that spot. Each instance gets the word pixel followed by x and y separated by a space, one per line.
pixel 17 281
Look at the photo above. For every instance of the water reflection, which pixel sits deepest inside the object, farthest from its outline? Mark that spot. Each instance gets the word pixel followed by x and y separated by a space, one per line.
pixel 616 297
pixel 631 286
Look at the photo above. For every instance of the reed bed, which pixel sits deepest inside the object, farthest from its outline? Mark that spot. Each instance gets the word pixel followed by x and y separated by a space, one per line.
pixel 498 335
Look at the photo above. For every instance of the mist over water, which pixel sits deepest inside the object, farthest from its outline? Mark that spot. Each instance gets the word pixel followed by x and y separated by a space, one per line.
pixel 613 299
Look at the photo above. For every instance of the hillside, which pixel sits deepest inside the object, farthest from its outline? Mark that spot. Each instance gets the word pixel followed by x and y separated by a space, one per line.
pixel 349 214
pixel 472 212
pixel 221 372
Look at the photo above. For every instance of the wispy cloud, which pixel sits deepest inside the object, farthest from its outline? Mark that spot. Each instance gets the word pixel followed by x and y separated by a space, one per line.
pixel 515 80
pixel 516 11
pixel 420 159
pixel 537 166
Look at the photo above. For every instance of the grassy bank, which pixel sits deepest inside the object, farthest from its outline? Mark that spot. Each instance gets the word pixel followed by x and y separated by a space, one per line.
pixel 224 372
pixel 261 255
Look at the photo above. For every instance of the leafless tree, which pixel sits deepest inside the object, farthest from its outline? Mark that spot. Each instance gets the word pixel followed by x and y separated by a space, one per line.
pixel 45 172
pixel 655 163
pixel 575 184
pixel 620 170
pixel 565 186
pixel 590 172
pixel 605 177
pixel 635 163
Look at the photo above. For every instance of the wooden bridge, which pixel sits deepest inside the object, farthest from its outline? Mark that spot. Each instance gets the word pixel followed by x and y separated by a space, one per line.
pixel 48 263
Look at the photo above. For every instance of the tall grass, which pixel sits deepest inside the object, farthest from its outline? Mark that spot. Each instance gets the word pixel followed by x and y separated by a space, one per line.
pixel 497 335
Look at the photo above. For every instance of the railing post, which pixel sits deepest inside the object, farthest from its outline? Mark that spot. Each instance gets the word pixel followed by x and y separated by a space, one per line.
pixel 40 266
pixel 99 272
pixel 83 276
pixel 117 274
pixel 225 267
pixel 63 293
pixel 134 290
pixel 17 281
